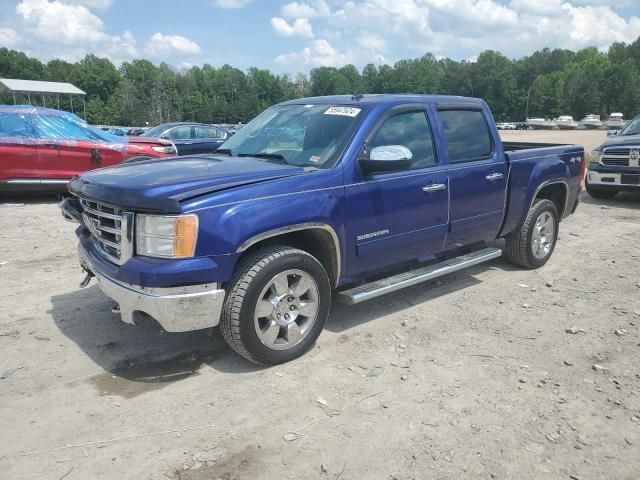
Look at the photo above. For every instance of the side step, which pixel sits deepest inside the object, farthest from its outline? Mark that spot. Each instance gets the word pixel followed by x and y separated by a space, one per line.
pixel 391 284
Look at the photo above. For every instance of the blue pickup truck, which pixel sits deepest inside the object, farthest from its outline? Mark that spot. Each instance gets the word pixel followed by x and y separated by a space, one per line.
pixel 377 192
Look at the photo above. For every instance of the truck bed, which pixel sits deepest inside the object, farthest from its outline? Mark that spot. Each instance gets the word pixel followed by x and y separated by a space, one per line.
pixel 516 146
pixel 532 165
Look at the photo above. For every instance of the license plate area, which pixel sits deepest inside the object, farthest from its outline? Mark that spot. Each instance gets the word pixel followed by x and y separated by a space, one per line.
pixel 630 179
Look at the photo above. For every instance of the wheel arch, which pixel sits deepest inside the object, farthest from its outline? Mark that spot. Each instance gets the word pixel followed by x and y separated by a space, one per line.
pixel 317 239
pixel 556 191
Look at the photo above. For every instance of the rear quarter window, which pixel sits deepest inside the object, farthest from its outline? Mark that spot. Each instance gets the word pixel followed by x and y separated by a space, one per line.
pixel 467 135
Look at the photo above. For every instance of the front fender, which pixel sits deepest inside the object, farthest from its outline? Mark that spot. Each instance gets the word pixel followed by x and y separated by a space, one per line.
pixel 233 228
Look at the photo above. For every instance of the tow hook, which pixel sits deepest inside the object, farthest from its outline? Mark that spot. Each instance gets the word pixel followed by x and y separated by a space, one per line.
pixel 87 278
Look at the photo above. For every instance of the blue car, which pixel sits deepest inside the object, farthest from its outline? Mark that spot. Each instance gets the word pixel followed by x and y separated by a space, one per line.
pixel 190 138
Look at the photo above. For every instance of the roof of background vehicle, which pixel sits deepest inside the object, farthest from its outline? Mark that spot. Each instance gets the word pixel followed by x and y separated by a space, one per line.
pixel 374 99
pixel 177 124
pixel 30 109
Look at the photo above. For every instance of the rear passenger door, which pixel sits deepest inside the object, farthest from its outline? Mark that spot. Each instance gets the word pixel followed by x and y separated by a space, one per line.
pixel 477 175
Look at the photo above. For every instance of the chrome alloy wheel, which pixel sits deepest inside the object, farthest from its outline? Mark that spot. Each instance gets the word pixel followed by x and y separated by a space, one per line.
pixel 543 235
pixel 286 310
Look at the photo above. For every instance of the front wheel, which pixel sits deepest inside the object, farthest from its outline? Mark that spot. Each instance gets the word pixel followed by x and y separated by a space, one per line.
pixel 277 305
pixel 533 244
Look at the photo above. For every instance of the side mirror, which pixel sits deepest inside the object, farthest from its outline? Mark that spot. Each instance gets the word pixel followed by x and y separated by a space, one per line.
pixel 613 133
pixel 388 158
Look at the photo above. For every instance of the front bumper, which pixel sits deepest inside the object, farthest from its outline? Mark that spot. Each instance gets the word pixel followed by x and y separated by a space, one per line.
pixel 176 309
pixel 612 180
pixel 613 177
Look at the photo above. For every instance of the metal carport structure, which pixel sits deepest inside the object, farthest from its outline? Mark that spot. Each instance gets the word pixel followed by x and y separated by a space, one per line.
pixel 16 87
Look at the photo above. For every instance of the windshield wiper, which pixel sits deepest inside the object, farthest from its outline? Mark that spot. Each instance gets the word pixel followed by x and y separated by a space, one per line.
pixel 267 156
pixel 224 151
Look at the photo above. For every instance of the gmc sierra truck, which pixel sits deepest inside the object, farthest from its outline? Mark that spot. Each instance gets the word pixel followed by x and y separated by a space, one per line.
pixel 615 165
pixel 371 194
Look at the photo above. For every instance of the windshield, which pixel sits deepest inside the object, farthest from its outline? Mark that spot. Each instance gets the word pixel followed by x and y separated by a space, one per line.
pixel 302 135
pixel 633 128
pixel 154 132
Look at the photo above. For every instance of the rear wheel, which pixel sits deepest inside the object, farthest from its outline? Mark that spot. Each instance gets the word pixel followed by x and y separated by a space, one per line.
pixel 277 305
pixel 533 244
pixel 596 192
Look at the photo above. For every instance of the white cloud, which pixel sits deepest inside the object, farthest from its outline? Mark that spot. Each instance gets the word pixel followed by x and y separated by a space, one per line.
pixel 372 41
pixel 299 27
pixel 60 29
pixel 94 4
pixel 320 53
pixel 231 3
pixel 319 8
pixel 464 28
pixel 61 23
pixel 9 37
pixel 170 46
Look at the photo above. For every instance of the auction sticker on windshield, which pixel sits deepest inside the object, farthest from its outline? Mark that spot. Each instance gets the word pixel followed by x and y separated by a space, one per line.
pixel 344 111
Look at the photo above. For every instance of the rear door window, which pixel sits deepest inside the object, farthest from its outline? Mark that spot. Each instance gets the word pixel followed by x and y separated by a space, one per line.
pixel 467 135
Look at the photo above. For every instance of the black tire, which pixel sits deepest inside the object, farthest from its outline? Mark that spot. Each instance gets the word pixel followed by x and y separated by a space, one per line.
pixel 599 193
pixel 137 158
pixel 518 247
pixel 251 276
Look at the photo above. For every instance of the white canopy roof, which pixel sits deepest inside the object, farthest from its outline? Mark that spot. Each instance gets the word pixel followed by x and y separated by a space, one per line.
pixel 37 86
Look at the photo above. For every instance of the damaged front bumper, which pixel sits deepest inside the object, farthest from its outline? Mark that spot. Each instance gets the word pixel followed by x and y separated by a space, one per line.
pixel 176 309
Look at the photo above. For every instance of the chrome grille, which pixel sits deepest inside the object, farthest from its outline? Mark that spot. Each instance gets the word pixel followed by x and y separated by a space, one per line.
pixel 109 229
pixel 621 156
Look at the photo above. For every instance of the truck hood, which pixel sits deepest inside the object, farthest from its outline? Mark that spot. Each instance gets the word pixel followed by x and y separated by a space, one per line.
pixel 160 185
pixel 622 141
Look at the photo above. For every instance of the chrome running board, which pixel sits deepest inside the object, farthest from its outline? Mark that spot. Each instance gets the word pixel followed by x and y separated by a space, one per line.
pixel 391 284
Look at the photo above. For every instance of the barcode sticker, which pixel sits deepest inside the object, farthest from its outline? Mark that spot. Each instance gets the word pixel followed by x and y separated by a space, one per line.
pixel 344 111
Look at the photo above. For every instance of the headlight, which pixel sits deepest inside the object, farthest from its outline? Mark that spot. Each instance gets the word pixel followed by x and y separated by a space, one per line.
pixel 167 237
pixel 167 149
pixel 596 156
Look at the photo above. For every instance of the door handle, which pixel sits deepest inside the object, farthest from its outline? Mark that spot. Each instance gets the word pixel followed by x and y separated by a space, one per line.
pixel 434 187
pixel 494 176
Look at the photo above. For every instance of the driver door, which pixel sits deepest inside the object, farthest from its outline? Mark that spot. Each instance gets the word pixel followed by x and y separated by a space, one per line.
pixel 394 217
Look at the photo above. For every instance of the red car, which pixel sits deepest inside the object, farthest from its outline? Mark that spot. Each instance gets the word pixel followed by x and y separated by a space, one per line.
pixel 42 149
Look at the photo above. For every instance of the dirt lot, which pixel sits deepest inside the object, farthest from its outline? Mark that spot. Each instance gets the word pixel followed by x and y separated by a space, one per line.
pixel 473 376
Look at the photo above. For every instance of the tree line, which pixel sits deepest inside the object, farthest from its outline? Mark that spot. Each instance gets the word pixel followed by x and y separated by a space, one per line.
pixel 547 83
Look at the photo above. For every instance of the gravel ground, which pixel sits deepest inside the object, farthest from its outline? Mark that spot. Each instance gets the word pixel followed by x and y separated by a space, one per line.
pixel 490 373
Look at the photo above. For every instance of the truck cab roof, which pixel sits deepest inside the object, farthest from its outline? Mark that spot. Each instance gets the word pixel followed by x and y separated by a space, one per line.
pixel 376 99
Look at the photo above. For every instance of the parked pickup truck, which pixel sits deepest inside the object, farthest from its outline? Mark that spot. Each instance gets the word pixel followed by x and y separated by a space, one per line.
pixel 615 165
pixel 379 193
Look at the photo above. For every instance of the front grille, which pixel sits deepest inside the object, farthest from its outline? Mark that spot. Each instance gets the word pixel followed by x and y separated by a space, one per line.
pixel 107 225
pixel 621 156
pixel 619 162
